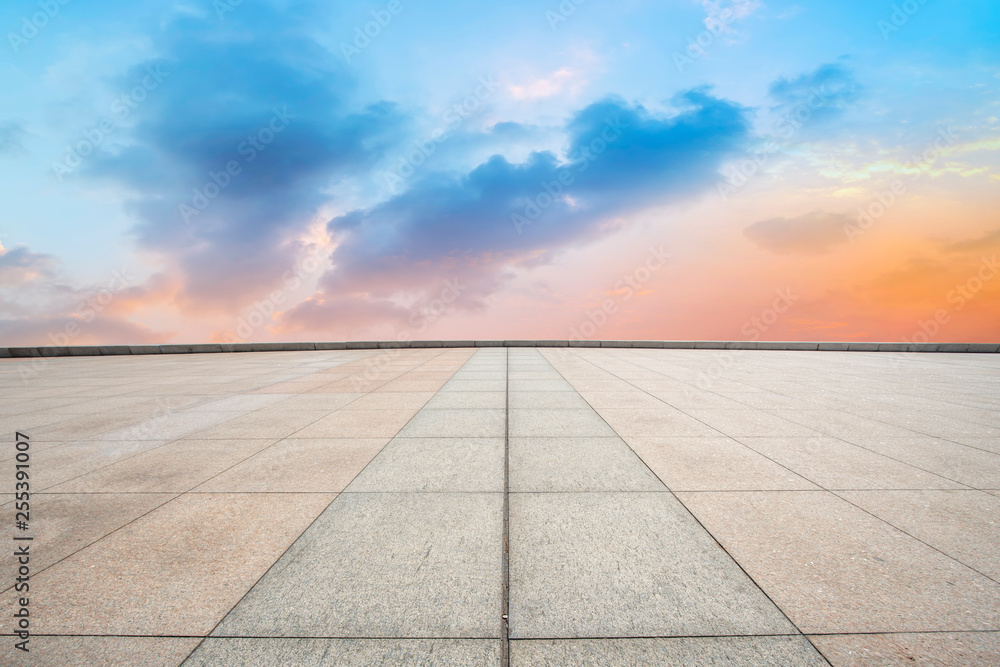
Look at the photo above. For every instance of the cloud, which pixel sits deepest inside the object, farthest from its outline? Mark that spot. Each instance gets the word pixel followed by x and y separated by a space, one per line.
pixel 350 315
pixel 227 239
pixel 719 14
pixel 827 92
pixel 255 93
pixel 12 136
pixel 620 158
pixel 984 242
pixel 554 84
pixel 19 266
pixel 810 234
pixel 72 329
pixel 38 306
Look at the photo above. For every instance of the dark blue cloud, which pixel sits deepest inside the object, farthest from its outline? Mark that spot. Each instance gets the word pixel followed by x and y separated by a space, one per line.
pixel 253 93
pixel 620 158
pixel 826 92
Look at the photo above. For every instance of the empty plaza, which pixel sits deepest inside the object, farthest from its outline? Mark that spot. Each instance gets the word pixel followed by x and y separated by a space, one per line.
pixel 507 505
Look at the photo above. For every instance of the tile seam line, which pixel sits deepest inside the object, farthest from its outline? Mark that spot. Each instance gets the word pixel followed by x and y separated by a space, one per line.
pixel 505 562
pixel 523 639
pixel 304 531
pixel 821 488
pixel 695 518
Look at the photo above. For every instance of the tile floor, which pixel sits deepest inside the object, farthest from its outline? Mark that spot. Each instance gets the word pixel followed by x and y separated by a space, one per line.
pixel 618 506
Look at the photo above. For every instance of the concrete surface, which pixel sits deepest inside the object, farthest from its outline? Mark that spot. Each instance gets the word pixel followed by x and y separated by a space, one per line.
pixel 625 506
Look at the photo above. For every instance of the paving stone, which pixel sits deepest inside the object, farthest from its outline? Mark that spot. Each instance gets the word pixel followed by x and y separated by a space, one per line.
pixel 61 463
pixel 175 467
pixel 937 649
pixel 358 424
pixel 268 423
pixel 298 465
pixel 750 422
pixel 475 385
pixel 547 399
pixel 558 422
pixel 435 464
pixel 577 464
pixel 465 400
pixel 357 652
pixel 965 465
pixel 624 565
pixel 47 651
pixel 384 565
pixel 834 568
pixel 463 423
pixel 663 422
pixel 165 567
pixel 688 651
pixel 713 464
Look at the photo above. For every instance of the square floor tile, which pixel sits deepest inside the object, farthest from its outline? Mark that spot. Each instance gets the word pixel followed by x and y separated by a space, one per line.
pixel 952 648
pixel 624 565
pixel 577 464
pixel 557 422
pixel 713 464
pixel 166 566
pixel 661 423
pixel 462 423
pixel 90 651
pixel 385 565
pixel 696 651
pixel 352 652
pixel 299 464
pixel 435 464
pixel 834 568
pixel 358 424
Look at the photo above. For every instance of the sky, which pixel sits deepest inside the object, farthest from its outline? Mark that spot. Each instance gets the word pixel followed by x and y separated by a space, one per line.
pixel 254 170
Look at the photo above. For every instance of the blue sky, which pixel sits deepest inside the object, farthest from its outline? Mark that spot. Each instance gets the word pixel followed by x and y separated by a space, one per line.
pixel 166 98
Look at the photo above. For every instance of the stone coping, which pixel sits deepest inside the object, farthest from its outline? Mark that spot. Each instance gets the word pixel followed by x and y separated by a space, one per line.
pixel 100 350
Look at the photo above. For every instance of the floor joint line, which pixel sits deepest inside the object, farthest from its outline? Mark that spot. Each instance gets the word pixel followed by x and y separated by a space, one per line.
pixel 505 566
